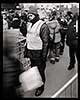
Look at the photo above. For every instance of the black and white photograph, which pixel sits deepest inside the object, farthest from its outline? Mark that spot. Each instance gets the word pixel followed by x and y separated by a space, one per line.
pixel 40 50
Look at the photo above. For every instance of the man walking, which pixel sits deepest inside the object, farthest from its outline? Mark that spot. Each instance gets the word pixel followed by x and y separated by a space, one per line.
pixel 37 43
pixel 72 39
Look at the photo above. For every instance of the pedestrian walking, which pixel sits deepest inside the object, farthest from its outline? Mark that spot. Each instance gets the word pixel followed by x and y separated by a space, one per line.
pixel 72 39
pixel 63 31
pixel 37 44
pixel 54 43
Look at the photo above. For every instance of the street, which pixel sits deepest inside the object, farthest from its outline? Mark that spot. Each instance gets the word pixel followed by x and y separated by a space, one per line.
pixel 56 76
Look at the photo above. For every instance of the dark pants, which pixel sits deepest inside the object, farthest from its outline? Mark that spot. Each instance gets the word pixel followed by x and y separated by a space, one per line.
pixel 72 53
pixel 36 60
pixel 63 34
pixel 55 50
pixel 41 66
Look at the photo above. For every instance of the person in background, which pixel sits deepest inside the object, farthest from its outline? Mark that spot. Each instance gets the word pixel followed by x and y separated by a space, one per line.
pixel 23 24
pixel 63 30
pixel 37 44
pixel 5 23
pixel 16 20
pixel 72 39
pixel 10 18
pixel 23 27
pixel 55 38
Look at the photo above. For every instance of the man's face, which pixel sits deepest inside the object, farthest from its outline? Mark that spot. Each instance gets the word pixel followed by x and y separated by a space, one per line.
pixel 31 17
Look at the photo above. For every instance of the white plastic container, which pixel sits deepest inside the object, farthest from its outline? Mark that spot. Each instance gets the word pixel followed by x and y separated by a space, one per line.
pixel 31 79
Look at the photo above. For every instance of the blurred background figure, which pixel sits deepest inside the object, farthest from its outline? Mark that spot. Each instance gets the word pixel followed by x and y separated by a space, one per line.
pixel 16 18
pixel 5 23
pixel 23 24
pixel 63 30
pixel 10 18
pixel 54 43
pixel 72 38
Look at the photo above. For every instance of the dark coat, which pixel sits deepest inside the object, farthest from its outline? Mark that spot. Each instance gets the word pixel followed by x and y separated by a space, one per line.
pixel 23 28
pixel 72 40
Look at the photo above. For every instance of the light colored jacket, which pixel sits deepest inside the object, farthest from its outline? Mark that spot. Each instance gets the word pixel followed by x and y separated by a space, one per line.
pixel 34 41
pixel 54 27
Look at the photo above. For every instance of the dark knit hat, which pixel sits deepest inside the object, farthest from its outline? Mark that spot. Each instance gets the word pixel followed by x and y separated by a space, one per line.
pixel 32 10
